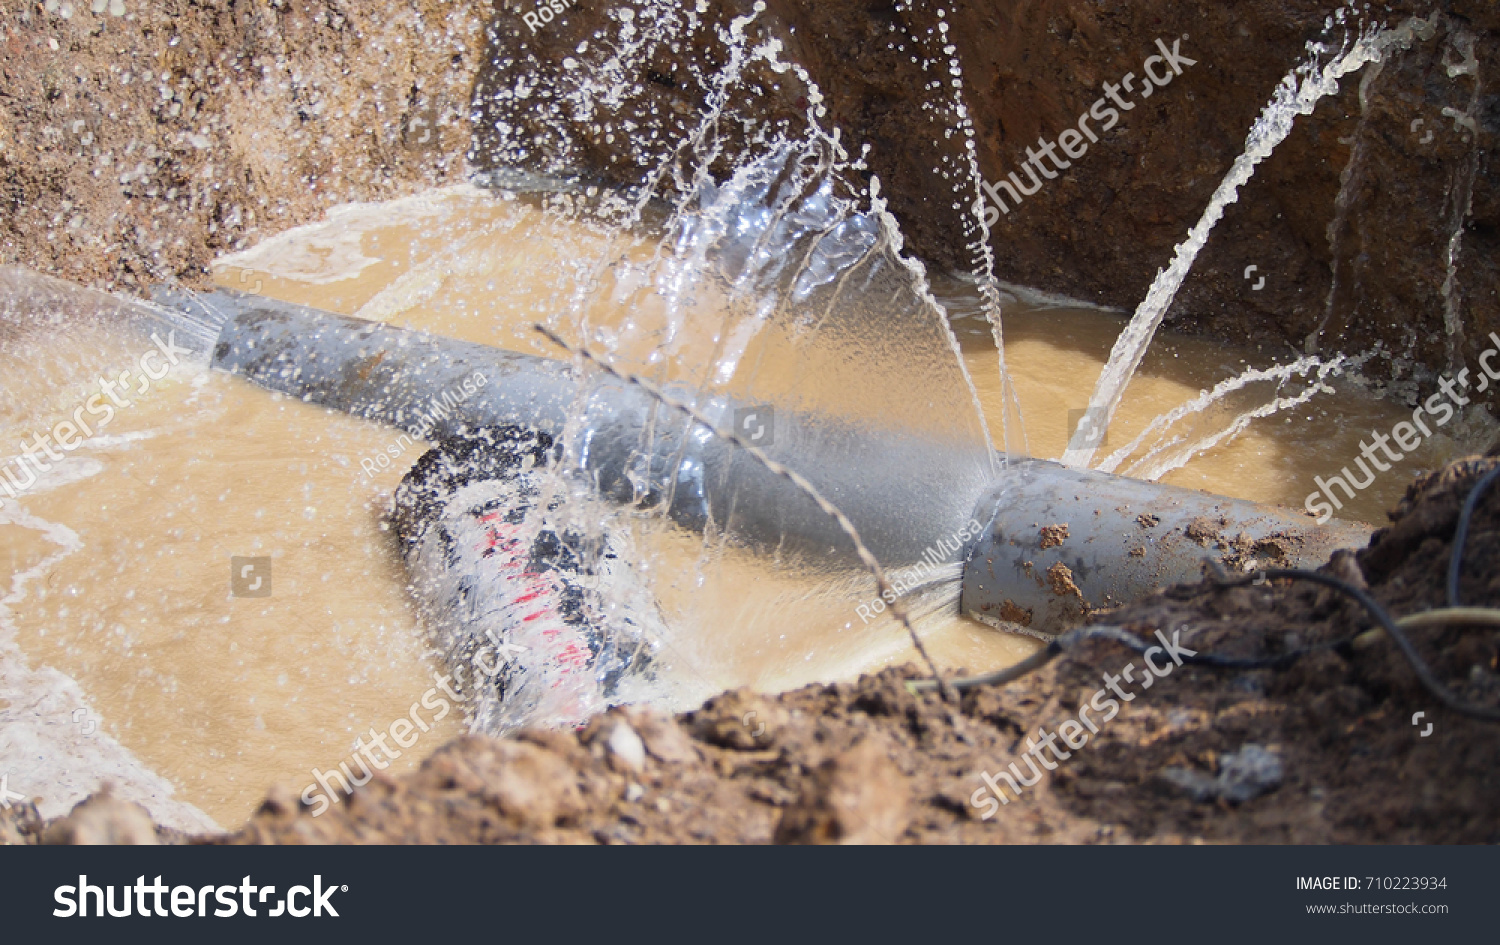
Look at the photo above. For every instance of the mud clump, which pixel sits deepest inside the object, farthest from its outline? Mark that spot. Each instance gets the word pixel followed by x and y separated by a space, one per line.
pixel 1014 613
pixel 1205 531
pixel 1053 535
pixel 1248 554
pixel 1060 580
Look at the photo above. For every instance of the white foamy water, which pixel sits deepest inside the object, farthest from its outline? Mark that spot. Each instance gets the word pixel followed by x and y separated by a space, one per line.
pixel 51 747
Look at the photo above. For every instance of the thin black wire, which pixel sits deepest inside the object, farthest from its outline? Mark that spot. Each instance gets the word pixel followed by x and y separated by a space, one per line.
pixel 1418 665
pixel 1461 534
pixel 1212 660
pixel 1060 644
pixel 1132 642
pixel 1217 574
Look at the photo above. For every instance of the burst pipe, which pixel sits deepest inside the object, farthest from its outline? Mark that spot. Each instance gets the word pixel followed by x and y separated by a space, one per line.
pixel 1055 543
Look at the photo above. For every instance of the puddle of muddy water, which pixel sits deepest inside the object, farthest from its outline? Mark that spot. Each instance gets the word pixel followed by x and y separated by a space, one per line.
pixel 224 695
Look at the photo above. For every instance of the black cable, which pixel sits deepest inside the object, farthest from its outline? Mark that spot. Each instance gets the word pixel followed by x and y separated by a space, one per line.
pixel 1212 660
pixel 1217 574
pixel 1418 665
pixel 1064 641
pixel 1461 533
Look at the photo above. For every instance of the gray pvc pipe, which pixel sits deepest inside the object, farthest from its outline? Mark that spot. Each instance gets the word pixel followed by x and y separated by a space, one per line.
pixel 637 450
pixel 1056 542
pixel 1059 543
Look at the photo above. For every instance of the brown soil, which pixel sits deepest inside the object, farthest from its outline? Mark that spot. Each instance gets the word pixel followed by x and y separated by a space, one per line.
pixel 1103 228
pixel 870 762
pixel 134 149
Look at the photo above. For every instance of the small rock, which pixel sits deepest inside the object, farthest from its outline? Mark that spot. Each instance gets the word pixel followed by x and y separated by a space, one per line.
pixel 626 750
pixel 1243 776
pixel 634 793
pixel 1249 773
pixel 665 740
pixel 19 824
pixel 740 720
pixel 1195 784
pixel 858 796
pixel 103 819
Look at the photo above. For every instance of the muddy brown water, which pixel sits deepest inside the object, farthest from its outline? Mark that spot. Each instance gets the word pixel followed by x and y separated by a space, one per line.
pixel 120 586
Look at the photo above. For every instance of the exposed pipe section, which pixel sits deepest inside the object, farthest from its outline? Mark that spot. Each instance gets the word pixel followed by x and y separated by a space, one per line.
pixel 1057 543
pixel 637 450
pixel 1060 543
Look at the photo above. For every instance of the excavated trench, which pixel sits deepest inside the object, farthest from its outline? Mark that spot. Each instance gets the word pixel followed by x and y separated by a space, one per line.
pixel 139 148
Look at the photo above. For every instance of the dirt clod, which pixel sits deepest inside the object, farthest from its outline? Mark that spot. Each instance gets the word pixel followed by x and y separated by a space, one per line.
pixel 102 819
pixel 1204 530
pixel 858 796
pixel 1060 579
pixel 1053 535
